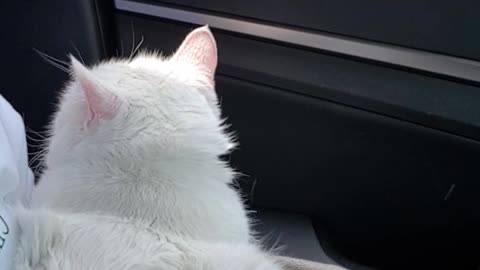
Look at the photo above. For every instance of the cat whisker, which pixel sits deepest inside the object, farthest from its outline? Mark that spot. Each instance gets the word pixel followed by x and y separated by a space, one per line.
pixel 57 66
pixel 78 52
pixel 40 135
pixel 37 154
pixel 33 145
pixel 53 61
pixel 34 131
pixel 41 140
pixel 34 163
pixel 51 57
pixel 37 159
pixel 37 169
pixel 133 42
pixel 137 47
pixel 38 151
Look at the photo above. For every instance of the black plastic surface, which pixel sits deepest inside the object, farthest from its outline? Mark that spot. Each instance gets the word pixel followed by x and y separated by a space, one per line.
pixel 440 26
pixel 293 234
pixel 379 186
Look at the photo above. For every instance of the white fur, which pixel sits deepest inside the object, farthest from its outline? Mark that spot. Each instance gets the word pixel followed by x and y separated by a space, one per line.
pixel 133 152
pixel 52 241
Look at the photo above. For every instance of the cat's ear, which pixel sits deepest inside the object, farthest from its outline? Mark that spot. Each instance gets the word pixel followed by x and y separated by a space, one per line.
pixel 100 103
pixel 199 48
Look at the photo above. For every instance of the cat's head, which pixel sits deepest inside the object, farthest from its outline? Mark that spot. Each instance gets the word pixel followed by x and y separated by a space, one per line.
pixel 148 107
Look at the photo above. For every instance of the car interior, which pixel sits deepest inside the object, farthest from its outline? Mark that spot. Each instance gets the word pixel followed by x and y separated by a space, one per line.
pixel 358 121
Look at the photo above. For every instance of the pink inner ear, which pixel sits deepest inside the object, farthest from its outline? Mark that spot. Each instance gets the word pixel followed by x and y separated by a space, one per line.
pixel 100 102
pixel 199 48
pixel 100 105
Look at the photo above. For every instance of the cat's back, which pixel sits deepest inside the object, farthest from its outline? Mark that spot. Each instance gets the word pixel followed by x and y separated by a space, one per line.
pixel 54 241
pixel 188 206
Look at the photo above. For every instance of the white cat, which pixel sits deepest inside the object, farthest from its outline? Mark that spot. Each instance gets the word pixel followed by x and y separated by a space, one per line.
pixel 133 178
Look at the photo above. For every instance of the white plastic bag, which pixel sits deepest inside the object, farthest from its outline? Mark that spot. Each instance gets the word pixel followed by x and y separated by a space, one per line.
pixel 16 179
